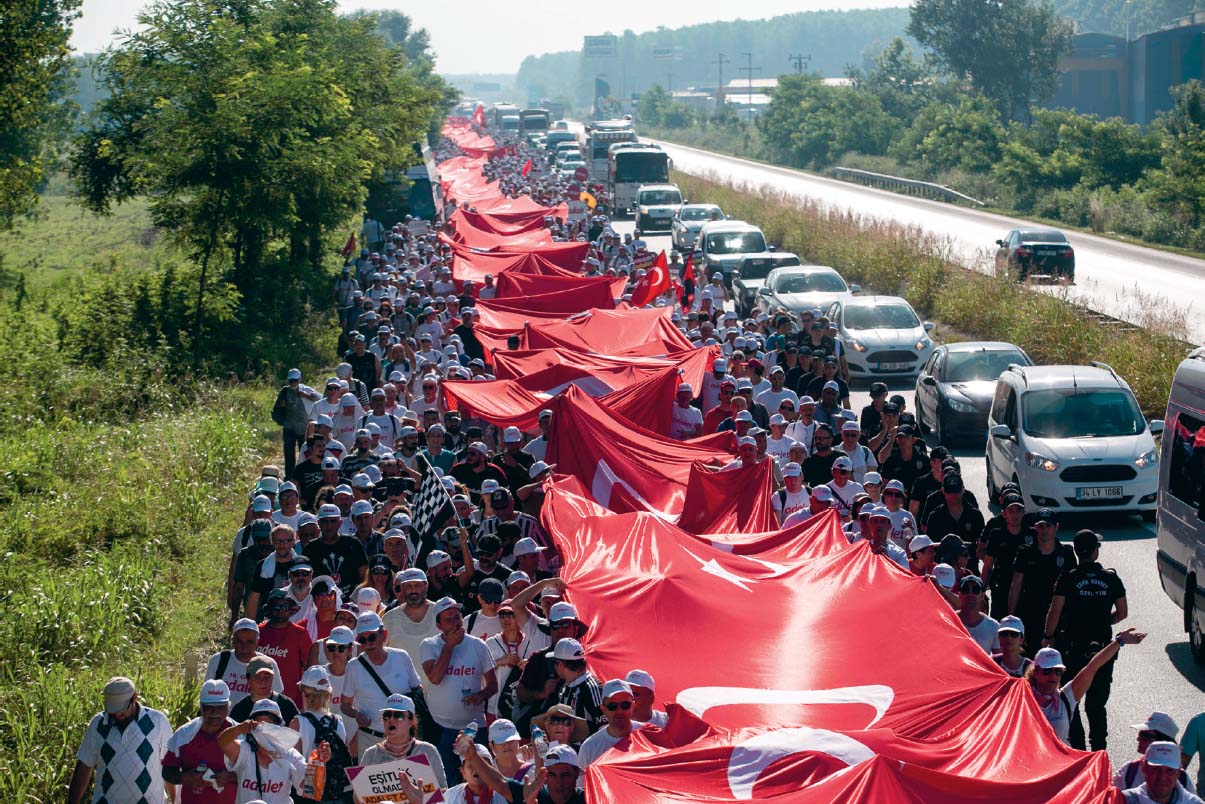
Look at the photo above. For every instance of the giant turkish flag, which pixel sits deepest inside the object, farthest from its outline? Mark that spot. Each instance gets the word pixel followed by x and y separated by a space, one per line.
pixel 798 669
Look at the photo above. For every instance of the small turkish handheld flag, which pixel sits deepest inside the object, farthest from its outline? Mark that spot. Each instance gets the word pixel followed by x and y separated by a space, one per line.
pixel 350 247
pixel 653 283
pixel 526 167
pixel 479 115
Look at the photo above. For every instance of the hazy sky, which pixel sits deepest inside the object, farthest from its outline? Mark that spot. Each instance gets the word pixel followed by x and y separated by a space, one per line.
pixel 492 36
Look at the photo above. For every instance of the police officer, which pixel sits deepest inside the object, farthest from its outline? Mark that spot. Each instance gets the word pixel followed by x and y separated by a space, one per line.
pixel 1088 601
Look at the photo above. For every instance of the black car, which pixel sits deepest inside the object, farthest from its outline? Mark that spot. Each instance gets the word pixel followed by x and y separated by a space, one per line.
pixel 1036 252
pixel 955 387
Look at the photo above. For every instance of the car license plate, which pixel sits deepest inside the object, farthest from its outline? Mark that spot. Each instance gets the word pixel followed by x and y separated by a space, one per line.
pixel 1048 252
pixel 894 366
pixel 1099 493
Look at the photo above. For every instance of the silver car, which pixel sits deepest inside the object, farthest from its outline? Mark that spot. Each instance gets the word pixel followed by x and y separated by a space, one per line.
pixel 689 219
pixel 802 287
pixel 883 337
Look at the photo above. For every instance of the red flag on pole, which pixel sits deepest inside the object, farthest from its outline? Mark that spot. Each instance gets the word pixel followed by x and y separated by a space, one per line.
pixel 526 167
pixel 688 281
pixel 479 115
pixel 653 283
pixel 350 248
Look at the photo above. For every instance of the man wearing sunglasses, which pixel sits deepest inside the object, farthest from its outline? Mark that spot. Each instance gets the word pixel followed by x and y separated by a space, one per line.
pixel 286 642
pixel 982 628
pixel 378 672
pixel 618 699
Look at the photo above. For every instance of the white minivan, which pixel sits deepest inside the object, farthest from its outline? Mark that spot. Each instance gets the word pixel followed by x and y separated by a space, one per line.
pixel 1075 440
pixel 1181 528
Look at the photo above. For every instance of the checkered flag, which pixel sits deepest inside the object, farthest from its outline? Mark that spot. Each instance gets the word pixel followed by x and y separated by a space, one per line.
pixel 432 505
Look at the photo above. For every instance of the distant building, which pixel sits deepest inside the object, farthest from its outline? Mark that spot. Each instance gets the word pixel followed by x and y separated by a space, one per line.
pixel 1110 77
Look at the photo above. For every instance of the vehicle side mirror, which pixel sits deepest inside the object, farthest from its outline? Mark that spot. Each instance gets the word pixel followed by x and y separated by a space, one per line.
pixel 1002 431
pixel 763 291
pixel 1156 426
pixel 928 326
pixel 855 289
pixel 736 275
pixel 928 380
pixel 1000 243
pixel 771 247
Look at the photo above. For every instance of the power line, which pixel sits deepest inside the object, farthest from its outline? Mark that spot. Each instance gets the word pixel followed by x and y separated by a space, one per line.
pixel 801 62
pixel 748 70
pixel 719 87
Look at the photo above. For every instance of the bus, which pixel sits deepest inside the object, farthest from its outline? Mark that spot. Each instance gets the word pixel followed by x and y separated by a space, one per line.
pixel 600 136
pixel 629 165
pixel 499 112
pixel 534 121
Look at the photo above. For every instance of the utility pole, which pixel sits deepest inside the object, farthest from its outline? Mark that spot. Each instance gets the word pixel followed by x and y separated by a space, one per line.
pixel 670 72
pixel 748 70
pixel 801 62
pixel 719 87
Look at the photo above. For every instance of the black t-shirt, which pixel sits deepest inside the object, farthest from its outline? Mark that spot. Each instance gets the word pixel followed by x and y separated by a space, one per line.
pixel 791 380
pixel 342 560
pixel 1037 588
pixel 816 386
pixel 818 469
pixel 543 796
pixel 935 499
pixel 871 421
pixel 500 571
pixel 905 471
pixel 242 710
pixel 968 526
pixel 469 343
pixel 1002 546
pixel 519 475
pixel 472 480
pixel 1089 592
pixel 278 579
pixel 920 490
pixel 308 477
pixel 801 382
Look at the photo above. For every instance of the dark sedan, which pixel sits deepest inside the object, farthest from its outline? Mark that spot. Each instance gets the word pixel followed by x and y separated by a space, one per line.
pixel 955 387
pixel 1042 253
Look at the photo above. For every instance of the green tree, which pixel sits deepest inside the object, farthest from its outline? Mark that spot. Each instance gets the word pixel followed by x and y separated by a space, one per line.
pixel 650 109
pixel 809 124
pixel 1178 184
pixel 1007 49
pixel 34 82
pixel 254 126
pixel 944 137
pixel 903 84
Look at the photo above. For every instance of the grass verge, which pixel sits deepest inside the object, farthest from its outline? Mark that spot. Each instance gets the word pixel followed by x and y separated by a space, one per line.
pixel 115 539
pixel 913 263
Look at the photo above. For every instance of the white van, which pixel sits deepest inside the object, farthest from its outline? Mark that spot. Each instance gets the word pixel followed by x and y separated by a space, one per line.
pixel 1181 521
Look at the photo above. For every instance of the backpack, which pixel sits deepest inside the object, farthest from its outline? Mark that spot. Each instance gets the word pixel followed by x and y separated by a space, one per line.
pixel 337 783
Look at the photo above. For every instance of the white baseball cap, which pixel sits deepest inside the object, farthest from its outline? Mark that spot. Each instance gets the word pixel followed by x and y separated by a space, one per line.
pixel 641 678
pixel 504 731
pixel 1048 658
pixel 512 435
pixel 685 387
pixel 215 693
pixel 561 755
pixel 443 604
pixel 1161 753
pixel 411 575
pixel 850 427
pixel 873 478
pixel 843 463
pixel 538 468
pixel 792 469
pixel 945 575
pixel 316 677
pixel 919 542
pixel 437 557
pixel 720 364
pixel 1160 722
pixel 777 418
pixel 489 486
pixel 368 622
pixel 1015 623
pixel 398 703
pixel 616 686
pixel 568 650
pixel 245 624
pixel 822 493
pixel 526 546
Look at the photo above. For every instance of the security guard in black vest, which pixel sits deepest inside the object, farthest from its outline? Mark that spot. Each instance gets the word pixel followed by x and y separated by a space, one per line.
pixel 1088 601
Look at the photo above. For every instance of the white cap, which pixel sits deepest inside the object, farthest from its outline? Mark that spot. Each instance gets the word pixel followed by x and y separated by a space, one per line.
pixel 261 504
pixel 361 507
pixel 266 706
pixel 919 542
pixel 526 546
pixel 747 441
pixel 437 557
pixel 1014 623
pixel 480 447
pixel 641 678
pixel 895 485
pixel 443 604
pixel 1161 753
pixel 316 677
pixel 685 387
pixel 1048 658
pixel 850 427
pixel 568 650
pixel 329 511
pixel 873 478
pixel 398 703
pixel 616 686
pixel 743 416
pixel 843 463
pixel 561 755
pixel 822 494
pixel 341 635
pixel 720 364
pixel 368 622
pixel 411 575
pixel 831 386
pixel 489 486
pixel 777 418
pixel 504 731
pixel 1160 722
pixel 562 611
pixel 512 435
pixel 367 598
pixel 245 624
pixel 516 576
pixel 348 401
pixel 538 468
pixel 880 512
pixel 945 575
pixel 294 374
pixel 792 469
pixel 215 693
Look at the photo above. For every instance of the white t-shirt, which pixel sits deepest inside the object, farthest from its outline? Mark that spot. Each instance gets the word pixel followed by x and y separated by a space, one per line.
pixel 598 744
pixel 277 779
pixel 843 496
pixel 863 460
pixel 685 422
pixel 537 448
pixel 1058 711
pixel 484 626
pixel 772 399
pixel 457 795
pixel 350 727
pixel 286 519
pixel 985 635
pixel 779 449
pixel 710 394
pixel 903 528
pixel 397 673
pixel 802 433
pixel 343 430
pixel 800 516
pixel 469 663
pixel 408 635
pixel 236 676
pixel 786 502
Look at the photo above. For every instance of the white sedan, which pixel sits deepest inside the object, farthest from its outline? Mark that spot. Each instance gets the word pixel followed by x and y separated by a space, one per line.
pixel 883 337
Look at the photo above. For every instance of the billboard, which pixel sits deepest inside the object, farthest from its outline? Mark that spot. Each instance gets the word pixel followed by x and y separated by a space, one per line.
pixel 600 47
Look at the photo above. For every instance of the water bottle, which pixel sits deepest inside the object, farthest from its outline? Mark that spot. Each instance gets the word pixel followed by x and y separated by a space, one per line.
pixel 470 731
pixel 539 741
pixel 465 692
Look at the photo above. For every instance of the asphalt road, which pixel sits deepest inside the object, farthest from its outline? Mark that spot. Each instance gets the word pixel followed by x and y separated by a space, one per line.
pixel 1129 282
pixel 1158 674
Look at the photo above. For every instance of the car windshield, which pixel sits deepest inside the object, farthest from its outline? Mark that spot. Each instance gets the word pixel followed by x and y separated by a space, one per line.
pixel 810 283
pixel 972 366
pixel 735 243
pixel 1081 413
pixel 880 316
pixel 660 197
pixel 700 213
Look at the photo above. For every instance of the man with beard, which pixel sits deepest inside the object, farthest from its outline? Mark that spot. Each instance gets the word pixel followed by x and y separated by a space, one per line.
pixel 475 470
pixel 285 641
pixel 442 579
pixel 454 438
pixel 512 461
pixel 413 620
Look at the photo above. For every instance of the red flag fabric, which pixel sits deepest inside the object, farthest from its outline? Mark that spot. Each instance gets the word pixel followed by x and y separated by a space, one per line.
pixel 653 283
pixel 479 115
pixel 782 702
pixel 516 285
pixel 350 247
pixel 562 302
pixel 526 168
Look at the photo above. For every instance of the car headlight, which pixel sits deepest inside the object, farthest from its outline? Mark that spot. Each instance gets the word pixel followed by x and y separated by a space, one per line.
pixel 923 344
pixel 959 406
pixel 1147 459
pixel 1041 462
pixel 857 346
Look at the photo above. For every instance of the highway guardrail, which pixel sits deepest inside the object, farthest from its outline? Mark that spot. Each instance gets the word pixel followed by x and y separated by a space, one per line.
pixel 897 184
